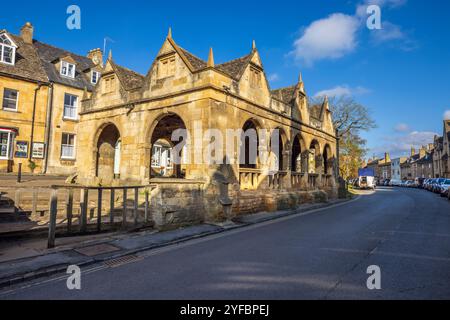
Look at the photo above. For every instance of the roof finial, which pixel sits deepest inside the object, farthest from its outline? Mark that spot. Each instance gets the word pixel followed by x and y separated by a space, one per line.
pixel 326 103
pixel 211 58
pixel 300 78
pixel 110 54
pixel 254 45
pixel 169 34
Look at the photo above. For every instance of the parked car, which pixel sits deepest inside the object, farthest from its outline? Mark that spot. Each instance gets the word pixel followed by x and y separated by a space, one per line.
pixel 444 187
pixel 395 183
pixel 430 183
pixel 409 184
pixel 437 186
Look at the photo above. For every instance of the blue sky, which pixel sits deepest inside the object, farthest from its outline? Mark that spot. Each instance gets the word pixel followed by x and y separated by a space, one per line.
pixel 402 72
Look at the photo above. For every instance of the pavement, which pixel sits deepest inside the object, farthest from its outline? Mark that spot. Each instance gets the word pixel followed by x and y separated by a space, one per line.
pixel 27 259
pixel 325 255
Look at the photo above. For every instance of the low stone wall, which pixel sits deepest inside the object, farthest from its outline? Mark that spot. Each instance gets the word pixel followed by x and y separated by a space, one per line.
pixel 257 201
pixel 177 203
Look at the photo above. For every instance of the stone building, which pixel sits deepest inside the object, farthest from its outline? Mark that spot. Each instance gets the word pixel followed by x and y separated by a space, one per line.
pixel 385 167
pixel 24 90
pixel 126 131
pixel 441 156
pixel 41 88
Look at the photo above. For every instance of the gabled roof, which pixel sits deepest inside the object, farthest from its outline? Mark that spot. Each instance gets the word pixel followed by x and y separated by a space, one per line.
pixel 316 112
pixel 235 68
pixel 196 62
pixel 129 79
pixel 27 64
pixel 49 54
pixel 286 94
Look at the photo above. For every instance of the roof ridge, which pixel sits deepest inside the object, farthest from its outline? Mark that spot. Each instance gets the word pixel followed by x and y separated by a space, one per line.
pixel 235 60
pixel 186 51
pixel 128 69
pixel 61 49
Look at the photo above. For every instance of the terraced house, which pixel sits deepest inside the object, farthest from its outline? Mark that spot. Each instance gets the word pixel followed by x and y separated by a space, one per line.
pixel 41 88
pixel 127 125
pixel 441 156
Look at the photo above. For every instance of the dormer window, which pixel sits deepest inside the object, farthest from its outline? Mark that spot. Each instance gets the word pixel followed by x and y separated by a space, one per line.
pixel 95 76
pixel 166 67
pixel 7 50
pixel 255 78
pixel 67 69
pixel 109 84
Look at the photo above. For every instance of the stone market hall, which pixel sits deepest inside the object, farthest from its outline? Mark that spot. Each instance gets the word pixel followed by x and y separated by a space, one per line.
pixel 125 129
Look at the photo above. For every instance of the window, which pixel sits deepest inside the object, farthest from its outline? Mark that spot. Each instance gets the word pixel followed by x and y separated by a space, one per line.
pixel 67 69
pixel 94 77
pixel 68 146
pixel 6 143
pixel 7 50
pixel 70 106
pixel 10 99
pixel 109 85
pixel 167 67
pixel 255 78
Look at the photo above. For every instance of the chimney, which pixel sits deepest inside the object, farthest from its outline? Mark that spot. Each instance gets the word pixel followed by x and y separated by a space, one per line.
pixel 27 33
pixel 430 147
pixel 413 151
pixel 96 55
pixel 387 157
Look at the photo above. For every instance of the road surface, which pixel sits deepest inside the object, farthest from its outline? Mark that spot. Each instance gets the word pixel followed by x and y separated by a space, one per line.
pixel 323 255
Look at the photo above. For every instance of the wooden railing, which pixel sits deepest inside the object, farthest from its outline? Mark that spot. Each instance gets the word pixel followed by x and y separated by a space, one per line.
pixel 249 179
pixel 84 205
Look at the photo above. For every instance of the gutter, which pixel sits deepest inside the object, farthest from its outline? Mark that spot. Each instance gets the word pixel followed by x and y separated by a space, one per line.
pixel 39 86
pixel 48 127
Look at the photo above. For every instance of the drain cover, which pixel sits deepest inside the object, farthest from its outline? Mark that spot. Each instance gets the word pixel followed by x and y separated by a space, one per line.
pixel 122 260
pixel 97 250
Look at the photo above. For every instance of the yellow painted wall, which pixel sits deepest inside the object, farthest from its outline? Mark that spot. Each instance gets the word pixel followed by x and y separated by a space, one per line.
pixel 59 125
pixel 22 119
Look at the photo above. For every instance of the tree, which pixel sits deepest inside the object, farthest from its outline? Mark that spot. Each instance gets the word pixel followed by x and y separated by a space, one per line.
pixel 351 155
pixel 349 119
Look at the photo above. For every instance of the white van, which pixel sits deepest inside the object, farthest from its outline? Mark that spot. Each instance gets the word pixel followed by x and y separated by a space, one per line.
pixel 367 183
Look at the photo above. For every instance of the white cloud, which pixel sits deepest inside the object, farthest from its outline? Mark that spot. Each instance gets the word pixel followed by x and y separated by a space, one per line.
pixel 342 90
pixel 447 115
pixel 361 9
pixel 401 145
pixel 402 127
pixel 337 35
pixel 273 77
pixel 328 38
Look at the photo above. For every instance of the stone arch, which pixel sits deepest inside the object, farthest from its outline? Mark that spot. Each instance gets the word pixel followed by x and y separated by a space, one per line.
pixel 298 163
pixel 282 149
pixel 108 152
pixel 328 159
pixel 315 157
pixel 165 157
pixel 250 144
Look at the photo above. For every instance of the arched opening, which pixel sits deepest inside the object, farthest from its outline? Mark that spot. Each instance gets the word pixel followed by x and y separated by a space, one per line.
pixel 249 146
pixel 314 164
pixel 327 160
pixel 167 155
pixel 278 141
pixel 297 164
pixel 108 154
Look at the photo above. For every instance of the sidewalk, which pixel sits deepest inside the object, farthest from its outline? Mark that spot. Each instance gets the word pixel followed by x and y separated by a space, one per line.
pixel 35 261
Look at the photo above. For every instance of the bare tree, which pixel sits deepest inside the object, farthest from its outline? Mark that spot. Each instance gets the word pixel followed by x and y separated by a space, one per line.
pixel 349 116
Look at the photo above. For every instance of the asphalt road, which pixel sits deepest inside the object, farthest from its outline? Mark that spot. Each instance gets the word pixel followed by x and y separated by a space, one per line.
pixel 324 255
